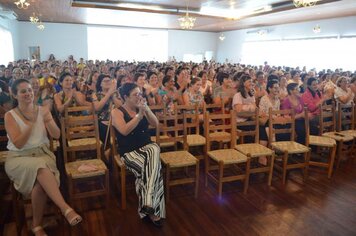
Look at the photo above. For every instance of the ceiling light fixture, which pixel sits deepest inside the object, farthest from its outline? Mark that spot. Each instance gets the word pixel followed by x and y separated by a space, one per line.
pixel 316 29
pixel 34 19
pixel 186 21
pixel 222 37
pixel 41 26
pixel 305 3
pixel 22 4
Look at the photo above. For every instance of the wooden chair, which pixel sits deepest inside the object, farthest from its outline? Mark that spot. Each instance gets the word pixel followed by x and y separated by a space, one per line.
pixel 346 124
pixel 328 129
pixel 288 150
pixel 81 134
pixel 223 158
pixel 253 151
pixel 119 170
pixel 321 142
pixel 160 110
pixel 192 124
pixel 177 160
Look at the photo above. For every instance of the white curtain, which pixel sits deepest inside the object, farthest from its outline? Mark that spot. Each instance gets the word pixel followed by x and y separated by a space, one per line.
pixel 312 53
pixel 6 47
pixel 127 44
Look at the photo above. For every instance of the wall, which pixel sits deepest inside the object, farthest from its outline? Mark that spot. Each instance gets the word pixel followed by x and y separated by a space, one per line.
pixel 182 42
pixel 12 27
pixel 230 48
pixel 65 39
pixel 60 39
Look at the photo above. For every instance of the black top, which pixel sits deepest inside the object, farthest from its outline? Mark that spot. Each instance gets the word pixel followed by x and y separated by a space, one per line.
pixel 138 137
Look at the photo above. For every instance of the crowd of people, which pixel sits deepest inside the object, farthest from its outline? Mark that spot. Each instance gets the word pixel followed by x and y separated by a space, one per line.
pixel 35 94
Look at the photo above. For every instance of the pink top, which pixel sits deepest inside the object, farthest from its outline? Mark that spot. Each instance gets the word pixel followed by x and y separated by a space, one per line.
pixel 311 102
pixel 288 105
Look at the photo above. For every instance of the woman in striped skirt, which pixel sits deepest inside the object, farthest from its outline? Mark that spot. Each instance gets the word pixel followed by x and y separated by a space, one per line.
pixel 140 155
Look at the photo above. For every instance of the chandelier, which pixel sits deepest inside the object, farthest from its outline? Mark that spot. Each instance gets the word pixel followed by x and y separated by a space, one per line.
pixel 34 19
pixel 22 4
pixel 41 26
pixel 317 29
pixel 304 3
pixel 187 22
pixel 222 37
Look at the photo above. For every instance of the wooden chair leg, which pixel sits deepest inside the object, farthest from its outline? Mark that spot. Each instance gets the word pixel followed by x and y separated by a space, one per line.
pixel 332 160
pixel 339 151
pixel 70 191
pixel 167 181
pixel 271 170
pixel 247 174
pixel 107 189
pixel 220 180
pixel 19 211
pixel 306 167
pixel 196 178
pixel 123 188
pixel 206 169
pixel 285 162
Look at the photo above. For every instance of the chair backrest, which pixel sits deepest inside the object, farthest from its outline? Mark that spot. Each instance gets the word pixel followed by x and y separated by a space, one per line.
pixel 214 108
pixel 173 126
pixel 81 129
pixel 327 120
pixel 78 111
pixel 178 109
pixel 158 109
pixel 346 115
pixel 307 126
pixel 281 122
pixel 3 135
pixel 214 123
pixel 250 127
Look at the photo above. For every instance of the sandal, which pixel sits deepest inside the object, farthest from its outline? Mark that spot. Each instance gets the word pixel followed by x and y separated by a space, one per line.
pixel 38 228
pixel 76 219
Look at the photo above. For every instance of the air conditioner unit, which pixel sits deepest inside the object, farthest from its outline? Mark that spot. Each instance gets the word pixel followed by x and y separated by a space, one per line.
pixel 8 15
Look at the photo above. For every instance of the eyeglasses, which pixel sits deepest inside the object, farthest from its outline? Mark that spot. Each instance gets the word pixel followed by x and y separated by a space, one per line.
pixel 137 95
pixel 106 80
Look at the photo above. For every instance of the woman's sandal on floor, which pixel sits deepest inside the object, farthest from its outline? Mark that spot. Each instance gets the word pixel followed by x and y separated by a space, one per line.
pixel 76 219
pixel 38 228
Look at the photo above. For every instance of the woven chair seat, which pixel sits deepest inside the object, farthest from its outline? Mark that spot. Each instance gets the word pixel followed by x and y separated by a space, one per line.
pixel 195 140
pixel 338 136
pixel 163 144
pixel 82 142
pixel 290 146
pixel 254 149
pixel 72 168
pixel 178 158
pixel 3 155
pixel 227 156
pixel 349 133
pixel 221 134
pixel 321 141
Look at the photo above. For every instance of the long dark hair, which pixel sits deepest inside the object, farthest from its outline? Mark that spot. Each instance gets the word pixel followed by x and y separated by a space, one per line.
pixel 99 80
pixel 242 90
pixel 309 83
pixel 14 90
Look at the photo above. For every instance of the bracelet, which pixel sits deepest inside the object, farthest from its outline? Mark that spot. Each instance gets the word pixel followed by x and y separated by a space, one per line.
pixel 138 116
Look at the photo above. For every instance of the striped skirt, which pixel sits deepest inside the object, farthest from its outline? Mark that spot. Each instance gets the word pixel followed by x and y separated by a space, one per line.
pixel 145 163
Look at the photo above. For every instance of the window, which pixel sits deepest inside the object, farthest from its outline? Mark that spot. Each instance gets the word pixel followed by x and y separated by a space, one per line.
pixel 127 44
pixel 312 53
pixel 6 47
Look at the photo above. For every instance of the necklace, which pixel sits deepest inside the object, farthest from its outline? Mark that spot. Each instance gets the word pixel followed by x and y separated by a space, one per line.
pixel 23 115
